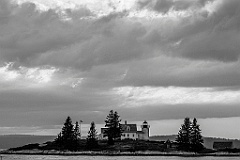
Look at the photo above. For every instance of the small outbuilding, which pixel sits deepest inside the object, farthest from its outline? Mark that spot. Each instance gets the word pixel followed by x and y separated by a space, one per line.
pixel 222 145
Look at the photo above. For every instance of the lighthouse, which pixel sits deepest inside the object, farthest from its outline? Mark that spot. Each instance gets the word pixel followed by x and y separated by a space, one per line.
pixel 145 129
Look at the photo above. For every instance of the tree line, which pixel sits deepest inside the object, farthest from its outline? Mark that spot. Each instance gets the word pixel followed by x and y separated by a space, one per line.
pixel 70 137
pixel 189 137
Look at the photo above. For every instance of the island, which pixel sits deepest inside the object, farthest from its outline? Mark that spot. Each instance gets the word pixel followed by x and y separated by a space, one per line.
pixel 117 139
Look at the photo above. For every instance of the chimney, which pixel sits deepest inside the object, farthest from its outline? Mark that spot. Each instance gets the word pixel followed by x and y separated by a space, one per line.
pixel 125 122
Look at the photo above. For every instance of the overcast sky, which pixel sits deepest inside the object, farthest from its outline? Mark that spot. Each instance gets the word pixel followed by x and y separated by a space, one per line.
pixel 154 60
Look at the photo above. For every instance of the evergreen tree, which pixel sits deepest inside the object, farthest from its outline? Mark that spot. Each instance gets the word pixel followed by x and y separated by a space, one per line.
pixel 92 137
pixel 68 135
pixel 114 128
pixel 67 130
pixel 184 135
pixel 196 137
pixel 76 131
pixel 58 140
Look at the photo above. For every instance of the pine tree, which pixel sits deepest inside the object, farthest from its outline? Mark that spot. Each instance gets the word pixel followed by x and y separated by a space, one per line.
pixel 68 134
pixel 114 129
pixel 69 137
pixel 184 135
pixel 67 130
pixel 92 137
pixel 196 137
pixel 76 131
pixel 58 140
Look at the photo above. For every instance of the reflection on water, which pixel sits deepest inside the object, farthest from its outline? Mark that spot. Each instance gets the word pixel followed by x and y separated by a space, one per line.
pixel 44 157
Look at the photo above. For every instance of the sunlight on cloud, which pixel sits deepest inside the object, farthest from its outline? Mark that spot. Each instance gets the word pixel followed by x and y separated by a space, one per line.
pixel 72 82
pixel 105 7
pixel 139 96
pixel 7 74
pixel 99 7
pixel 24 74
pixel 39 75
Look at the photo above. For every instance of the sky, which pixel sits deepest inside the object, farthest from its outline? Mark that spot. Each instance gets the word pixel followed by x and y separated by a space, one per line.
pixel 154 60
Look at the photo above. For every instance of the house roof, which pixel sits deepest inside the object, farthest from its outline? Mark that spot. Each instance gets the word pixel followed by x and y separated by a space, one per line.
pixel 145 122
pixel 222 145
pixel 129 128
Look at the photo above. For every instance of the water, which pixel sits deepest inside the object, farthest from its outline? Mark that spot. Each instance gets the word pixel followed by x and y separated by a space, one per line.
pixel 43 157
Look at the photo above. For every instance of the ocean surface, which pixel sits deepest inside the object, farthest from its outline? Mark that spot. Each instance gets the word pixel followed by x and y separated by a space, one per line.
pixel 42 157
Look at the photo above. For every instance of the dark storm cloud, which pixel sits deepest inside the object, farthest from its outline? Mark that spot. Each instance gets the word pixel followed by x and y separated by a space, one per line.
pixel 4 10
pixel 30 33
pixel 165 71
pixel 204 34
pixel 79 38
pixel 218 36
pixel 112 44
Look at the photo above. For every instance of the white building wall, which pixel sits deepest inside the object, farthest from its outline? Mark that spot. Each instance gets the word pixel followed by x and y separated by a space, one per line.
pixel 129 136
pixel 145 136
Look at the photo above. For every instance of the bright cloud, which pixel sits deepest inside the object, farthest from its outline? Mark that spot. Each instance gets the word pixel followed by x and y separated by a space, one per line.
pixel 8 75
pixel 97 6
pixel 39 75
pixel 138 96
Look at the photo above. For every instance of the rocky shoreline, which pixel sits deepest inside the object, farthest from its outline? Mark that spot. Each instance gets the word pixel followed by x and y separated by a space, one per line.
pixel 115 153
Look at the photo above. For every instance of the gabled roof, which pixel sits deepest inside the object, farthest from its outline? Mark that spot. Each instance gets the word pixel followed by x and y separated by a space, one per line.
pixel 222 145
pixel 129 128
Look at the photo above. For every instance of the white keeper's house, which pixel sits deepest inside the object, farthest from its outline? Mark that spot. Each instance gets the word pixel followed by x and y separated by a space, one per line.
pixel 129 131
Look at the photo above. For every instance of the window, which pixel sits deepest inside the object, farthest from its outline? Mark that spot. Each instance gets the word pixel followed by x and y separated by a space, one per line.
pixel 128 128
pixel 127 135
pixel 123 135
pixel 133 135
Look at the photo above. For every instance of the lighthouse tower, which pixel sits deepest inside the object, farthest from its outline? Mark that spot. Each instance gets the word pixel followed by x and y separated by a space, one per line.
pixel 145 129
